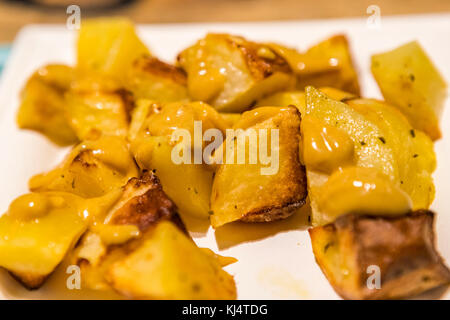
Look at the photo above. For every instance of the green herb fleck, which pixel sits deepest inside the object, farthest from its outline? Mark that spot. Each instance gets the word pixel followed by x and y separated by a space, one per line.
pixel 413 133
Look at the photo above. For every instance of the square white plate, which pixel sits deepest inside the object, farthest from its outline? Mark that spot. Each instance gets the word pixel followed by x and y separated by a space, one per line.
pixel 275 260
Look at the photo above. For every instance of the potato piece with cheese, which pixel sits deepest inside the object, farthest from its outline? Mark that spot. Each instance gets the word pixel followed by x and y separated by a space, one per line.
pixel 364 133
pixel 108 46
pixel 260 190
pixel 168 265
pixel 150 135
pixel 351 251
pixel 326 64
pixel 96 113
pixel 150 78
pixel 92 169
pixel 43 107
pixel 284 99
pixel 140 204
pixel 37 232
pixel 409 80
pixel 230 73
pixel 142 250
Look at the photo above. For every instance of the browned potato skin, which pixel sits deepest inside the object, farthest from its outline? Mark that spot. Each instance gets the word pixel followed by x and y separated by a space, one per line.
pixel 315 67
pixel 283 193
pixel 142 204
pixel 42 104
pixel 29 281
pixel 402 246
pixel 151 78
pixel 261 73
pixel 145 209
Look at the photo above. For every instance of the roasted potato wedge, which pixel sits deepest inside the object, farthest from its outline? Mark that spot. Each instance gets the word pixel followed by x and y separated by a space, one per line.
pixel 43 107
pixel 108 46
pixel 140 205
pixel 327 64
pixel 351 248
pixel 150 78
pixel 231 73
pixel 162 262
pixel 409 80
pixel 37 232
pixel 382 139
pixel 168 265
pixel 92 169
pixel 257 192
pixel 97 113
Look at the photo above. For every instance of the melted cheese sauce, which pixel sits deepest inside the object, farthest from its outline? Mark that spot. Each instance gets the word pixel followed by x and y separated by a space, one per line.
pixel 361 190
pixel 325 148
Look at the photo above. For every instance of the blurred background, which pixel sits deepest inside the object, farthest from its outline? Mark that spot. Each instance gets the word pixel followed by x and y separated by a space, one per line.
pixel 14 14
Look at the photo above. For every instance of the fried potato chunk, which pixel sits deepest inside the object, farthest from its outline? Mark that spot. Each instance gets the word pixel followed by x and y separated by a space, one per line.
pixel 230 73
pixel 400 250
pixel 92 169
pixel 254 191
pixel 382 139
pixel 43 107
pixel 96 113
pixel 326 64
pixel 141 204
pixel 168 265
pixel 409 81
pixel 108 46
pixel 150 135
pixel 150 78
pixel 161 261
pixel 37 232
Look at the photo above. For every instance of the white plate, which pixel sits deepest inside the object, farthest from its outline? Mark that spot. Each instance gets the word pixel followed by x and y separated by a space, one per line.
pixel 275 260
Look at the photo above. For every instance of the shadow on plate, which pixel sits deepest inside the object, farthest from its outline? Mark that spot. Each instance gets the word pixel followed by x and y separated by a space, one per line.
pixel 235 233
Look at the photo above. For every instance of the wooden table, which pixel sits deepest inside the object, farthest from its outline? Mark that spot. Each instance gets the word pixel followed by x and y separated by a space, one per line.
pixel 14 15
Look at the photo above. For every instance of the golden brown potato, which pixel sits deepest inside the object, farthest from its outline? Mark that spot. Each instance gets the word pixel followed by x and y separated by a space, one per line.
pixel 150 136
pixel 43 107
pixel 409 80
pixel 168 265
pixel 231 73
pixel 350 249
pixel 97 113
pixel 37 232
pixel 158 262
pixel 143 203
pixel 92 169
pixel 108 46
pixel 260 192
pixel 140 205
pixel 382 139
pixel 150 78
pixel 327 64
